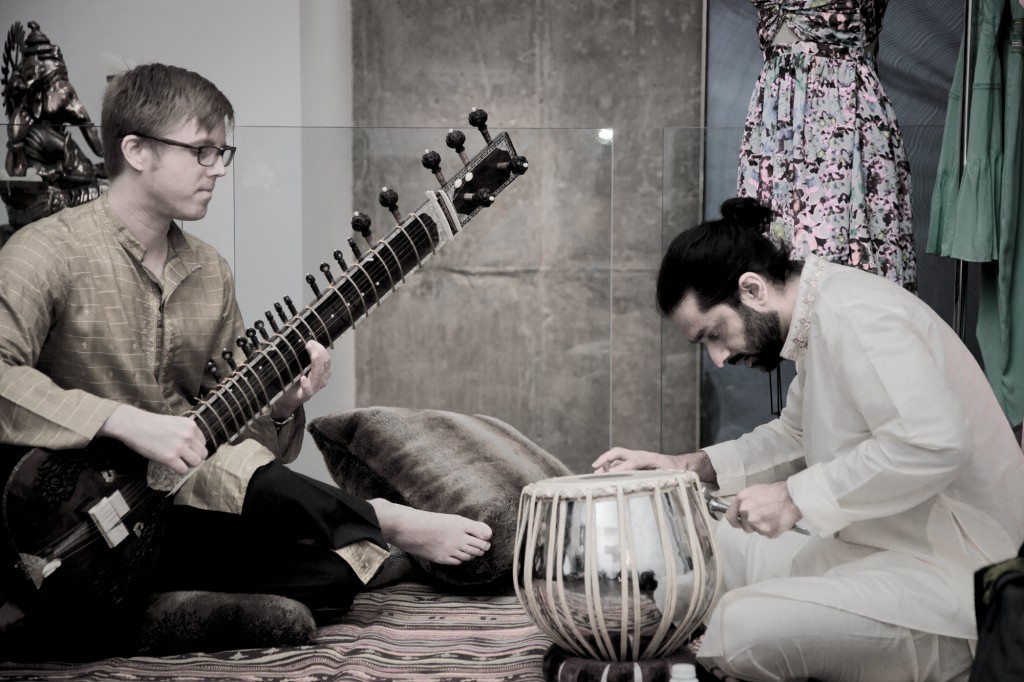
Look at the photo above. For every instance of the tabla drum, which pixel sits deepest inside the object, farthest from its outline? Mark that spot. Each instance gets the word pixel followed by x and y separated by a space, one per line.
pixel 618 566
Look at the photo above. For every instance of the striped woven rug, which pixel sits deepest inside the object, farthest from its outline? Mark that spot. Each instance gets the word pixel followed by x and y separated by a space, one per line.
pixel 403 632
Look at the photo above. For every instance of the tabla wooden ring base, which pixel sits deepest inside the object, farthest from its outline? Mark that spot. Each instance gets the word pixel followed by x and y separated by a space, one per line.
pixel 559 666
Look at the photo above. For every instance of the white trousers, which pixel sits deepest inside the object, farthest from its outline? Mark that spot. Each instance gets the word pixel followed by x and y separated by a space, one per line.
pixel 760 637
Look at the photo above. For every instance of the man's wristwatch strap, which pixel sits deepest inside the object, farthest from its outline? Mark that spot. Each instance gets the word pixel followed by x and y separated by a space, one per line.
pixel 281 423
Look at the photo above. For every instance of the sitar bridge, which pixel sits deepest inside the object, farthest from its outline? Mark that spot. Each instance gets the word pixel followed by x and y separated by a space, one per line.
pixel 108 516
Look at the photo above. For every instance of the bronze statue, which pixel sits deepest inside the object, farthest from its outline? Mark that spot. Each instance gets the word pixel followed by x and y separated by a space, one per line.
pixel 45 170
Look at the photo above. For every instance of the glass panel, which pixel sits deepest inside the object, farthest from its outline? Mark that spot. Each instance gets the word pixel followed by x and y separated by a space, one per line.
pixel 512 319
pixel 683 200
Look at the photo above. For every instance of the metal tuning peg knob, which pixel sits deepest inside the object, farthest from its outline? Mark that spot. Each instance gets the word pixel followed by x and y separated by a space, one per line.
pixel 517 165
pixel 456 139
pixel 432 162
pixel 243 343
pixel 273 323
pixel 311 281
pixel 481 198
pixel 254 342
pixel 478 119
pixel 211 367
pixel 262 329
pixel 340 257
pixel 388 198
pixel 355 248
pixel 229 358
pixel 361 222
pixel 326 270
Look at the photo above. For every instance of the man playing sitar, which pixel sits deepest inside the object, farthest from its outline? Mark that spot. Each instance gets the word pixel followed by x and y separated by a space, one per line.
pixel 109 313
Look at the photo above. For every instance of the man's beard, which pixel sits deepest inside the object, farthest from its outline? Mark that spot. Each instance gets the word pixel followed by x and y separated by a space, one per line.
pixel 763 336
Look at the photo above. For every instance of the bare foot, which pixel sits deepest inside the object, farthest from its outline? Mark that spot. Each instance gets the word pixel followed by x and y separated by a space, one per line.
pixel 446 539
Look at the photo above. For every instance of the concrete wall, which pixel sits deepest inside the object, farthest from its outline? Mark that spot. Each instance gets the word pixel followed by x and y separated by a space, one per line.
pixel 633 66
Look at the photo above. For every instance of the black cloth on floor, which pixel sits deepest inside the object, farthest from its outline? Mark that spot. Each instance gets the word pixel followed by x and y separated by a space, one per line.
pixel 282 543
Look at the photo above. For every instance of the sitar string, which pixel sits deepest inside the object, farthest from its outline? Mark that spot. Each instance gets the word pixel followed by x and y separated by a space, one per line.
pixel 422 241
pixel 267 371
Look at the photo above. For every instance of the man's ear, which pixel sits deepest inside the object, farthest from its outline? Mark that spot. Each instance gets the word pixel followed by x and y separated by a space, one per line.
pixel 133 151
pixel 753 290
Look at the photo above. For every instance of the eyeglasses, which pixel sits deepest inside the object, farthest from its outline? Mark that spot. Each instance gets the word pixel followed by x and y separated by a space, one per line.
pixel 207 155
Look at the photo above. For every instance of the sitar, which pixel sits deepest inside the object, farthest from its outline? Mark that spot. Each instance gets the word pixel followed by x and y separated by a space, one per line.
pixel 83 527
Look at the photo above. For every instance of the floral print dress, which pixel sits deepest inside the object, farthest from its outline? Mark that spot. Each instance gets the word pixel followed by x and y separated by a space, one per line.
pixel 821 144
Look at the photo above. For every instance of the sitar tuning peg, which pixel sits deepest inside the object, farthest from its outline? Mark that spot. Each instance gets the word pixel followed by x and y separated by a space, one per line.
pixel 388 198
pixel 291 306
pixel 273 323
pixel 517 164
pixel 432 162
pixel 340 257
pixel 456 139
pixel 254 342
pixel 211 367
pixel 262 329
pixel 355 248
pixel 326 270
pixel 229 358
pixel 311 281
pixel 361 222
pixel 478 119
pixel 243 343
pixel 481 198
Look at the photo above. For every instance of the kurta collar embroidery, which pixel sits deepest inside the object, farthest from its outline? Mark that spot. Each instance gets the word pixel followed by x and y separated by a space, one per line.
pixel 182 259
pixel 800 328
pixel 121 233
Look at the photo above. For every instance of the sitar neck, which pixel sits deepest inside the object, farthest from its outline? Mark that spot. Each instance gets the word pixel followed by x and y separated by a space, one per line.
pixel 275 363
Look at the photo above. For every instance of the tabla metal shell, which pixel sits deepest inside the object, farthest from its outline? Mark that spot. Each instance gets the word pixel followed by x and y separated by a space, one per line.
pixel 590 568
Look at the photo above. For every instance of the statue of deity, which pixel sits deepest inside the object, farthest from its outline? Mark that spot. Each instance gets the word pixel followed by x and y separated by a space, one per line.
pixel 45 169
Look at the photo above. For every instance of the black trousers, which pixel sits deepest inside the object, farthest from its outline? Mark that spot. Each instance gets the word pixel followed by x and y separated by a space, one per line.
pixel 282 543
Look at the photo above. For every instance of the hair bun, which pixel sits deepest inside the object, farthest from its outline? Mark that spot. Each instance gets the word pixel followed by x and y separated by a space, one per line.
pixel 747 212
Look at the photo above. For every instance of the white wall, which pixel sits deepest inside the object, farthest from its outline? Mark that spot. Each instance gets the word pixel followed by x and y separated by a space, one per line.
pixel 283 64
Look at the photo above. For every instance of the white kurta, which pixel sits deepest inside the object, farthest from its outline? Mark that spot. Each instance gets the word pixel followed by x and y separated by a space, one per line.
pixel 891 436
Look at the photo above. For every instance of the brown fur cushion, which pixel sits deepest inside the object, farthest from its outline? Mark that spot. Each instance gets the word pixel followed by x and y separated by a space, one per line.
pixel 439 461
pixel 178 622
pixel 173 623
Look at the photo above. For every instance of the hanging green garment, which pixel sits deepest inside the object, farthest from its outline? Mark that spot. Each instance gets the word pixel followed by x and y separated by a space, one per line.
pixel 1001 302
pixel 977 216
pixel 963 219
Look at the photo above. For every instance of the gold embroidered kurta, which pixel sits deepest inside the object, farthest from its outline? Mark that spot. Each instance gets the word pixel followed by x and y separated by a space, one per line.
pixel 85 327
